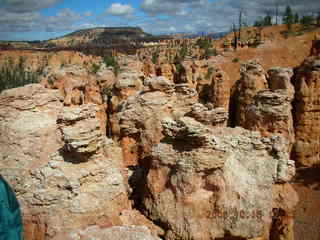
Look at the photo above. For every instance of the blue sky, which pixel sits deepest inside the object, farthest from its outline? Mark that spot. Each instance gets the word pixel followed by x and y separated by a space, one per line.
pixel 44 19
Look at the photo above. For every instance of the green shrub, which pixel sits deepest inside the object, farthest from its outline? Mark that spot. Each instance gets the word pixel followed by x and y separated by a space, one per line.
pixel 15 75
pixel 209 73
pixel 210 52
pixel 111 61
pixel 179 68
pixel 155 57
pixel 204 43
pixel 95 68
pixel 235 60
pixel 306 21
pixel 183 52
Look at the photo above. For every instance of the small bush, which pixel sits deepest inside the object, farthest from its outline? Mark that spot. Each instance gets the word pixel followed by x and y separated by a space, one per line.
pixel 95 68
pixel 209 73
pixel 179 68
pixel 235 60
pixel 183 52
pixel 111 61
pixel 155 57
pixel 210 52
pixel 203 43
pixel 306 22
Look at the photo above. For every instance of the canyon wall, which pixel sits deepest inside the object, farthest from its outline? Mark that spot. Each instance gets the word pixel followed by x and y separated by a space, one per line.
pixel 171 151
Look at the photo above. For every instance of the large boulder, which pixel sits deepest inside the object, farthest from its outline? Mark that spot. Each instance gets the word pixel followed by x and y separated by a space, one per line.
pixel 58 191
pixel 80 130
pixel 210 183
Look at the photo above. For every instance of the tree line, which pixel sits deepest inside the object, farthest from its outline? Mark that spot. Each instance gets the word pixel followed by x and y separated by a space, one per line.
pixel 289 18
pixel 14 75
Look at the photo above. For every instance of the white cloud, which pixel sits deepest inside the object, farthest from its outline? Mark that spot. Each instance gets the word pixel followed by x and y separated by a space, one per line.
pixel 171 7
pixel 23 6
pixel 119 9
pixel 26 22
pixel 163 16
pixel 215 16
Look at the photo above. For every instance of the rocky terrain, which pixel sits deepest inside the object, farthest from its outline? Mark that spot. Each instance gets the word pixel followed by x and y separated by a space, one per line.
pixel 169 144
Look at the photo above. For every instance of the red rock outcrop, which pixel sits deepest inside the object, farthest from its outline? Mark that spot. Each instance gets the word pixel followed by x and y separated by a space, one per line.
pixel 220 88
pixel 57 189
pixel 171 157
pixel 139 117
pixel 166 70
pixel 306 150
pixel 176 156
pixel 253 79
pixel 307 112
pixel 280 78
pixel 149 68
pixel 267 106
pixel 217 183
pixel 75 84
pixel 270 113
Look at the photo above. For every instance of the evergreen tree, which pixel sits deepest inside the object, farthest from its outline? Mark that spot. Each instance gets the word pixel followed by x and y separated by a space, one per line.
pixel 267 21
pixel 306 21
pixel 288 17
pixel 262 22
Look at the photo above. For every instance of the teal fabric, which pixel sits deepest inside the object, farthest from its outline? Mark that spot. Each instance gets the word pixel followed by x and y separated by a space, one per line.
pixel 10 215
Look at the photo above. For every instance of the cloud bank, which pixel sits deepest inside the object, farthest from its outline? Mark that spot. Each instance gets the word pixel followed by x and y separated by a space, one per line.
pixel 24 6
pixel 119 9
pixel 218 15
pixel 154 16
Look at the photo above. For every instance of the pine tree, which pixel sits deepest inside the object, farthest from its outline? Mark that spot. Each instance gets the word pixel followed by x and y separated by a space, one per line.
pixel 288 17
pixel 267 21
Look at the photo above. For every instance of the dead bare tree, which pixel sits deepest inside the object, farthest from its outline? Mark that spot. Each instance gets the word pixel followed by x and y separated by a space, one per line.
pixel 235 36
pixel 277 13
pixel 240 25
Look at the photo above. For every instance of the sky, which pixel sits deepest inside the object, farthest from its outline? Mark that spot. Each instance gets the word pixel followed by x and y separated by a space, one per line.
pixel 45 19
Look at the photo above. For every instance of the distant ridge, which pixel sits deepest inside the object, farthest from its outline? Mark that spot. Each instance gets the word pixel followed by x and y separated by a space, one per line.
pixel 99 37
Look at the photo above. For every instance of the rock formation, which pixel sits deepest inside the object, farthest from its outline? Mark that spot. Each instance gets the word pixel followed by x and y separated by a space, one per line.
pixel 253 79
pixel 267 106
pixel 307 112
pixel 212 183
pixel 49 182
pixel 306 151
pixel 81 133
pixel 220 89
pixel 143 150
pixel 209 115
pixel 270 113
